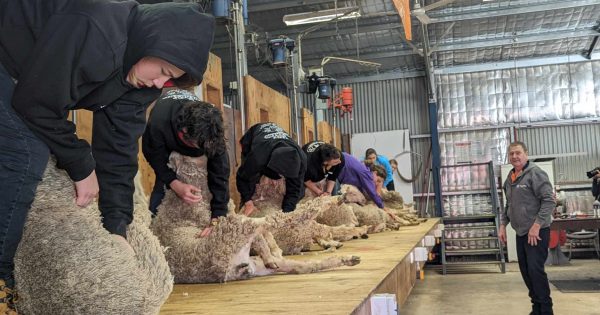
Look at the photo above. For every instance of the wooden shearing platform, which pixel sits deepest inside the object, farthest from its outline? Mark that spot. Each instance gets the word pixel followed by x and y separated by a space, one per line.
pixel 385 268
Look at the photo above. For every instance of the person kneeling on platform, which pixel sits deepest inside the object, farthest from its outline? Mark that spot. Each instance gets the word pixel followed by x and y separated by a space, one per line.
pixel 180 122
pixel 268 150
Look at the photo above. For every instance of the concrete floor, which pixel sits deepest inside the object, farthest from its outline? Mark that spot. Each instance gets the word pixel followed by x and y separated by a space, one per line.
pixel 491 292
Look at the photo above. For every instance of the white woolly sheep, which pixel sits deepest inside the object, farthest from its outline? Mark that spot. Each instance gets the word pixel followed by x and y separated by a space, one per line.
pixel 67 263
pixel 224 255
pixel 267 199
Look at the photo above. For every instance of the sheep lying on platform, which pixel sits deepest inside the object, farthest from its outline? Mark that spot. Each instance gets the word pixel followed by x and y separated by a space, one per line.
pixel 267 199
pixel 224 255
pixel 339 213
pixel 368 214
pixel 67 263
pixel 395 203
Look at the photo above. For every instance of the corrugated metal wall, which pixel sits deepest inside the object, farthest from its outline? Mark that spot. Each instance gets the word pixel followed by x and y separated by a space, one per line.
pixel 524 95
pixel 576 148
pixel 384 105
pixel 564 94
pixel 488 100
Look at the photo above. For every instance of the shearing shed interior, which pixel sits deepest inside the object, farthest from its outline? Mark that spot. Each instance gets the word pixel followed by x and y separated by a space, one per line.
pixel 361 157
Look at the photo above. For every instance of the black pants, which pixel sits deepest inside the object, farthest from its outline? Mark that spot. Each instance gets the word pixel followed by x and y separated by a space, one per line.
pixel 531 264
pixel 158 194
pixel 390 186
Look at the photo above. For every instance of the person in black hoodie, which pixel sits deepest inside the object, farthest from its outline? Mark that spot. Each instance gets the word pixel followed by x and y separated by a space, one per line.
pixel 180 122
pixel 324 161
pixel 268 150
pixel 109 57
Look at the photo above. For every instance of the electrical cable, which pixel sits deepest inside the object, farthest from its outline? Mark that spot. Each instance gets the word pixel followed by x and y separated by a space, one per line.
pixel 419 168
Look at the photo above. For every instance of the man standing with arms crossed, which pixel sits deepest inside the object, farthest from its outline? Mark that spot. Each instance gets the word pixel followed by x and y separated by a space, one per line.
pixel 529 206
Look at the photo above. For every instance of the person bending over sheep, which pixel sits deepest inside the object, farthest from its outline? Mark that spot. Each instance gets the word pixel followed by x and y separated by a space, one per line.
pixel 180 122
pixel 109 57
pixel 268 150
pixel 324 161
pixel 356 174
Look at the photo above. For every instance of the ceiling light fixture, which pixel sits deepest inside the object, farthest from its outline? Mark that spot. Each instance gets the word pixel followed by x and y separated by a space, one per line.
pixel 321 16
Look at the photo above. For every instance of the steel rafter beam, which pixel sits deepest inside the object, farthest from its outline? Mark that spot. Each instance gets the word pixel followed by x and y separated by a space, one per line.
pixel 278 5
pixel 327 33
pixel 344 28
pixel 314 59
pixel 515 7
pixel 590 51
pixel 519 39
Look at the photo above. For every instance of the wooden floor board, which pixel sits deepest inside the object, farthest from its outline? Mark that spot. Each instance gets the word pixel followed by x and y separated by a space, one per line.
pixel 337 291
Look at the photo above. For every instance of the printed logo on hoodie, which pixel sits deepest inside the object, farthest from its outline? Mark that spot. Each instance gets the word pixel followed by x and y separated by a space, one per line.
pixel 313 146
pixel 274 132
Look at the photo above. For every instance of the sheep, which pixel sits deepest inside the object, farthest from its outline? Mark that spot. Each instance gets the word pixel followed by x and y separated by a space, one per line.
pixel 340 214
pixel 67 263
pixel 368 214
pixel 268 197
pixel 394 201
pixel 224 255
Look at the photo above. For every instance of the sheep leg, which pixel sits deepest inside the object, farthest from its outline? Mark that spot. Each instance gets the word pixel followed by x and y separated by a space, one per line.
pixel 345 233
pixel 275 249
pixel 299 267
pixel 377 228
pixel 261 246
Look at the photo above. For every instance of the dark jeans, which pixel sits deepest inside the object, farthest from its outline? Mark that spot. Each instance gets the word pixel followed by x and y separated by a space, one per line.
pixel 390 186
pixel 23 159
pixel 531 264
pixel 157 195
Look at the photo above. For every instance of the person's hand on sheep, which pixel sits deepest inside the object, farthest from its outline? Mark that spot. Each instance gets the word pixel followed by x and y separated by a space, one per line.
pixel 207 230
pixel 389 212
pixel 249 208
pixel 190 194
pixel 86 190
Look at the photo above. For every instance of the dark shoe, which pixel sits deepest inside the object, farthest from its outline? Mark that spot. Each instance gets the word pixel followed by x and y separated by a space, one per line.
pixel 8 298
pixel 535 309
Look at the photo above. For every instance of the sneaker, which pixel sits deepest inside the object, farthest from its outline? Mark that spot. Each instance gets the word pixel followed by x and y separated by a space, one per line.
pixel 8 298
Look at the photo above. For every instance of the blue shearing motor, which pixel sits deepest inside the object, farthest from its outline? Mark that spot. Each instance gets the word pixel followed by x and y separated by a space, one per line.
pixel 278 47
pixel 326 85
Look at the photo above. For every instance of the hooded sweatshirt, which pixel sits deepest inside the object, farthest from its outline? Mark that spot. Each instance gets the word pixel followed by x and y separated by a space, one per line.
pixel 76 54
pixel 355 173
pixel 528 200
pixel 314 168
pixel 160 139
pixel 268 150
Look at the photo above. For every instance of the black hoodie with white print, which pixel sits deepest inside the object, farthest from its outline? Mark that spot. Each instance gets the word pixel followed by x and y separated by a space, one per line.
pixel 76 54
pixel 268 150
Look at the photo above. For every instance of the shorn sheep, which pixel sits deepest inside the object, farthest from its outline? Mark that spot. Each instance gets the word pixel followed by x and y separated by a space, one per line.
pixel 224 255
pixel 67 263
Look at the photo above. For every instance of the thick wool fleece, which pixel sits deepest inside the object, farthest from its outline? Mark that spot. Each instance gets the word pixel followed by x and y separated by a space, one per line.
pixel 299 237
pixel 224 255
pixel 67 263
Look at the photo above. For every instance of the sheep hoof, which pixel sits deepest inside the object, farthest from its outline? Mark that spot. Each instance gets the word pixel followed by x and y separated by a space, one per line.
pixel 353 261
pixel 364 236
pixel 272 265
